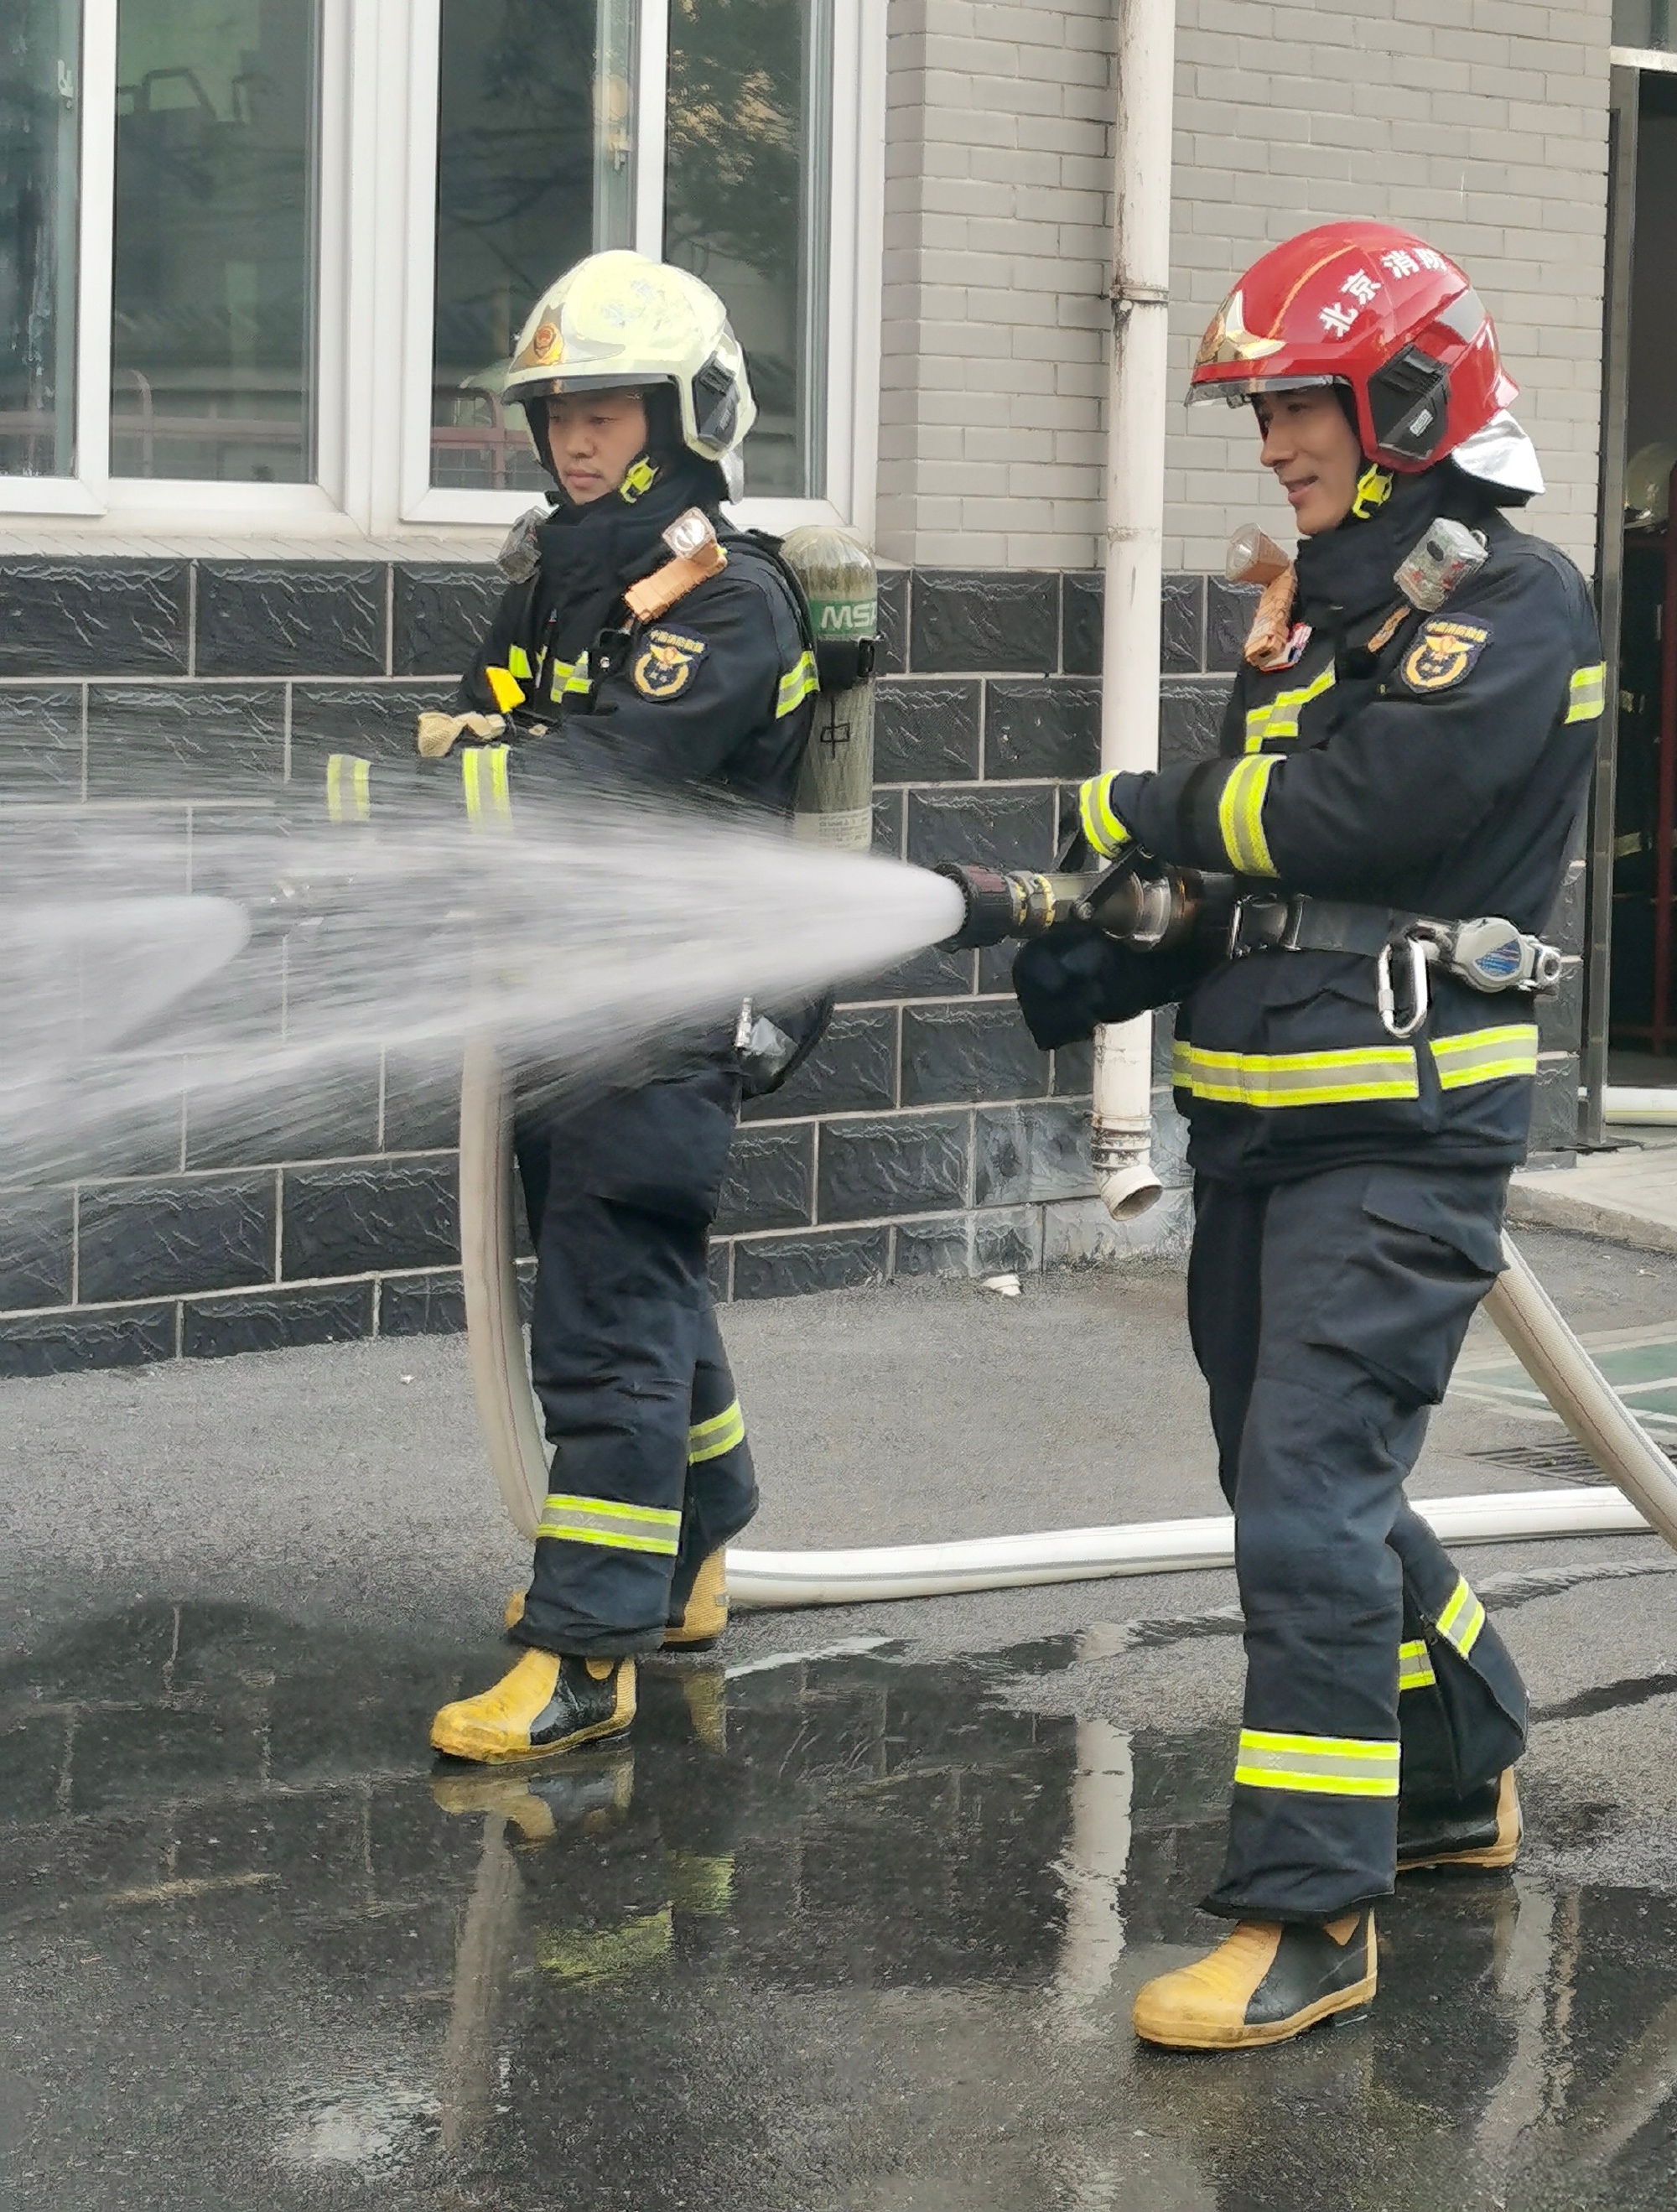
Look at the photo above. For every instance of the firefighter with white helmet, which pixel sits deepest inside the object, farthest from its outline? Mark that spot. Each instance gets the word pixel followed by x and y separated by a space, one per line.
pixel 1408 748
pixel 643 639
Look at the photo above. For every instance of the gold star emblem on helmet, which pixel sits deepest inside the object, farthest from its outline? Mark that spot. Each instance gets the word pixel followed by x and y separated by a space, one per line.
pixel 1228 340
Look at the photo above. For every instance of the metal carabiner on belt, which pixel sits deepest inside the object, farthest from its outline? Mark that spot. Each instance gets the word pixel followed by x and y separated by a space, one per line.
pixel 1419 992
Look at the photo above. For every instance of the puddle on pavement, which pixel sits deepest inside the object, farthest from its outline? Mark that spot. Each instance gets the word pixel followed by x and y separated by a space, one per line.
pixel 843 1936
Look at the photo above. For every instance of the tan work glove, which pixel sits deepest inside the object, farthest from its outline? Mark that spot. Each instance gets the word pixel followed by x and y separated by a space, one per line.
pixel 438 734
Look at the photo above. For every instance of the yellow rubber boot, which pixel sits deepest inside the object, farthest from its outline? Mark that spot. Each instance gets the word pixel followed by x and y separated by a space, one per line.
pixel 703 1620
pixel 1264 1984
pixel 1483 1836
pixel 706 1613
pixel 545 1704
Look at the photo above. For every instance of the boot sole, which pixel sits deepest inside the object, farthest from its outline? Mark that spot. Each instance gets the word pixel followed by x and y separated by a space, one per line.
pixel 1342 2009
pixel 457 1748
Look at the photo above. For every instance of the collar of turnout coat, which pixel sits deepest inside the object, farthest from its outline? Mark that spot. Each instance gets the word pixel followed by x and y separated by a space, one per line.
pixel 1347 573
pixel 591 553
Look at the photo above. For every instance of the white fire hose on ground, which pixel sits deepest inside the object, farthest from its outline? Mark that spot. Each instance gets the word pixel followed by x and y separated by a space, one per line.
pixel 1644 1496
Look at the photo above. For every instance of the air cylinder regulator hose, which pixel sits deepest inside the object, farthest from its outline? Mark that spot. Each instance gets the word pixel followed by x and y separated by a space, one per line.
pixel 1644 1479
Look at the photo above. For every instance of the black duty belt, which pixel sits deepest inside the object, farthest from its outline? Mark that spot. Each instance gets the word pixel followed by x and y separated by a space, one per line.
pixel 1486 952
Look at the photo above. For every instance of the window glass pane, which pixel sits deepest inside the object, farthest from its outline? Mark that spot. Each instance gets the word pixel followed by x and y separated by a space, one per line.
pixel 1646 23
pixel 212 344
pixel 746 195
pixel 39 82
pixel 535 168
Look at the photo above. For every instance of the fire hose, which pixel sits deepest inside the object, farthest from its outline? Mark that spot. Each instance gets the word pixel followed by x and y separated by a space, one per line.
pixel 1643 1479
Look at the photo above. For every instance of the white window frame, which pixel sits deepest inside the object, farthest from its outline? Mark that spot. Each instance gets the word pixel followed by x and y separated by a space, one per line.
pixel 375 260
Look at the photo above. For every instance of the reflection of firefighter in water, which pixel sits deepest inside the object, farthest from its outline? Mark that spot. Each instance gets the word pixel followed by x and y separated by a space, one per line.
pixel 1407 748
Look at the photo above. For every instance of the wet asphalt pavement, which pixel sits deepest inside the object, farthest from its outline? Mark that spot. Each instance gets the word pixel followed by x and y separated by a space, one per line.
pixel 852 1921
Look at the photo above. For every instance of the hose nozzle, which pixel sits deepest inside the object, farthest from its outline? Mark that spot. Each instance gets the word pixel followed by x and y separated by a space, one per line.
pixel 1011 903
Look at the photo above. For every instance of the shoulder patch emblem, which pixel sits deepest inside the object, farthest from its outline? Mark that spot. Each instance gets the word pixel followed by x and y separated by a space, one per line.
pixel 1442 654
pixel 664 667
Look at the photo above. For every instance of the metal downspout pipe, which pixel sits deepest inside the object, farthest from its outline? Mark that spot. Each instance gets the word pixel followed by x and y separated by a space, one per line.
pixel 1121 1137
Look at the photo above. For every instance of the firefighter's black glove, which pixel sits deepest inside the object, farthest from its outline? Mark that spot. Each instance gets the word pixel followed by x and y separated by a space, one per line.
pixel 1074 977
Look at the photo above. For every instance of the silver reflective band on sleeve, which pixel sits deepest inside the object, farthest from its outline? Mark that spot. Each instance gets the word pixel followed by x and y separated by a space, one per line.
pixel 1240 815
pixel 710 1439
pixel 1328 1766
pixel 1414 1667
pixel 607 1523
pixel 1280 718
pixel 348 788
pixel 1486 1055
pixel 796 686
pixel 1587 696
pixel 1461 1619
pixel 1296 1078
pixel 489 800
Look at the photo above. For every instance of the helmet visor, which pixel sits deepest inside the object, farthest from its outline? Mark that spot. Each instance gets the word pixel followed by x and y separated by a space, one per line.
pixel 1235 392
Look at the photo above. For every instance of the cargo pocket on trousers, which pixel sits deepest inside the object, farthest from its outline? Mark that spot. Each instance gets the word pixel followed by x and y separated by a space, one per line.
pixel 1430 1247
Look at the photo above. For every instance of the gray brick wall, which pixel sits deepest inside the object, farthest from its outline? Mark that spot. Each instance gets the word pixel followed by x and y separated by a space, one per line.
pixel 997 223
pixel 1485 128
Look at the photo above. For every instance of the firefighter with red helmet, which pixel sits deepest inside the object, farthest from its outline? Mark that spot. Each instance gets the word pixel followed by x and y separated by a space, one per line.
pixel 1406 748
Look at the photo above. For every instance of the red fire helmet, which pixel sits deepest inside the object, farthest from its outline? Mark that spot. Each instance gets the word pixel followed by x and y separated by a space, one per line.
pixel 1373 308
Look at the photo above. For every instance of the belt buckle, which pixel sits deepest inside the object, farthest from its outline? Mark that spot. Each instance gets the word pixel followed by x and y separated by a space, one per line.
pixel 1273 917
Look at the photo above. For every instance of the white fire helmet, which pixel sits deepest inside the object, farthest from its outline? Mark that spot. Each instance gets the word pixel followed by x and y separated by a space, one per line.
pixel 618 320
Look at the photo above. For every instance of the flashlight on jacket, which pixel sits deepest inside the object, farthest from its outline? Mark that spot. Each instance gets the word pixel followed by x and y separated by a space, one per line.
pixel 1144 903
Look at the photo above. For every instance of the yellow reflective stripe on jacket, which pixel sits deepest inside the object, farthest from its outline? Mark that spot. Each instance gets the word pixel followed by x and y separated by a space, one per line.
pixel 1461 1619
pixel 508 692
pixel 1329 1766
pixel 609 1522
pixel 1297 1078
pixel 517 661
pixel 1485 1055
pixel 489 801
pixel 1100 826
pixel 796 686
pixel 1240 815
pixel 1414 1667
pixel 1588 696
pixel 1280 718
pixel 710 1439
pixel 348 788
pixel 569 676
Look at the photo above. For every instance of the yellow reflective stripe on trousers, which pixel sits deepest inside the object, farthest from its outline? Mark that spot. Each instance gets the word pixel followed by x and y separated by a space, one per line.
pixel 1461 1619
pixel 1329 1766
pixel 1280 718
pixel 710 1439
pixel 483 777
pixel 1588 694
pixel 1486 1055
pixel 1100 826
pixel 1297 1078
pixel 608 1522
pixel 1240 815
pixel 1414 1667
pixel 348 788
pixel 796 686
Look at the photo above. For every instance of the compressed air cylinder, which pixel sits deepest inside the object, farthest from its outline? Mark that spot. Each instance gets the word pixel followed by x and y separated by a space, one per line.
pixel 835 799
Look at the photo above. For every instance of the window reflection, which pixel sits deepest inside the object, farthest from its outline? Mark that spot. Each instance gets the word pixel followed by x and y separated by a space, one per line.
pixel 745 206
pixel 39 95
pixel 212 343
pixel 535 169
